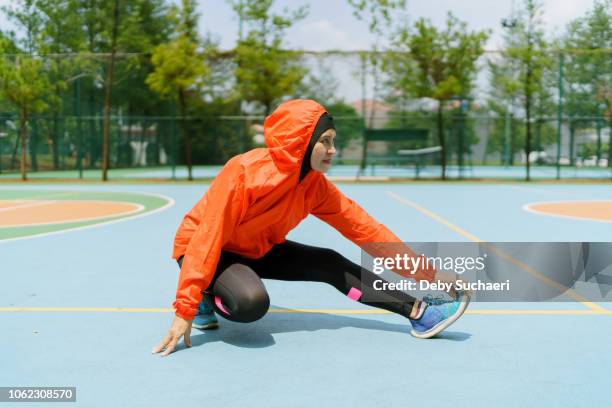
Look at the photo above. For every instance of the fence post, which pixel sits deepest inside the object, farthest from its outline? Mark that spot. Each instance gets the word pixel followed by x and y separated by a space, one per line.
pixel 77 112
pixel 33 145
pixel 1 137
pixel 508 118
pixel 362 165
pixel 571 146
pixel 598 140
pixel 559 114
pixel 173 142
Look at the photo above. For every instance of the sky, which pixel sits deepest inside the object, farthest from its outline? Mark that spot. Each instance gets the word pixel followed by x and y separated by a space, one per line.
pixel 330 24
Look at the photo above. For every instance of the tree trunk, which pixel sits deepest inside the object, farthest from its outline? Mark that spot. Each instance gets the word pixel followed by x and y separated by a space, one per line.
pixel 89 143
pixel 23 133
pixel 79 138
pixel 610 149
pixel 571 143
pixel 538 143
pixel 268 107
pixel 144 138
pixel 129 160
pixel 441 139
pixel 185 133
pixel 528 114
pixel 62 150
pixel 34 146
pixel 14 155
pixel 109 93
pixel 55 140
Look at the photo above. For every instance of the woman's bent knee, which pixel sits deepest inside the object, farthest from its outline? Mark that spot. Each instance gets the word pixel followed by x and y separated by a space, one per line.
pixel 240 295
pixel 252 309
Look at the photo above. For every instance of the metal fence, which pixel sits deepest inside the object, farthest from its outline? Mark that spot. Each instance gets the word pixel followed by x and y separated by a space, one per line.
pixel 484 132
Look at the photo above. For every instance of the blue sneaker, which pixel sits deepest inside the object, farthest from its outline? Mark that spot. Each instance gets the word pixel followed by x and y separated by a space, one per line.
pixel 438 315
pixel 205 319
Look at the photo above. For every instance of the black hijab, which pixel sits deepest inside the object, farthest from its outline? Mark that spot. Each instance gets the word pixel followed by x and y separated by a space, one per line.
pixel 325 122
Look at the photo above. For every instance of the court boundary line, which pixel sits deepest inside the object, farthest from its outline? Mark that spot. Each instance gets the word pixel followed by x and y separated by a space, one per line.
pixel 536 274
pixel 169 203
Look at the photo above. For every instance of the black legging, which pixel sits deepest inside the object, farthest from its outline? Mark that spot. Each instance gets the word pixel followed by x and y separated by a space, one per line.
pixel 239 294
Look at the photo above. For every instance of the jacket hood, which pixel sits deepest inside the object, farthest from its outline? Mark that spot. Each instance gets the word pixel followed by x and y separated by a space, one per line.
pixel 288 130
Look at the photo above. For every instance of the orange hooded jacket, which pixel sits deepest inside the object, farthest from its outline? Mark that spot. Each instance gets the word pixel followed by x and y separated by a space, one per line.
pixel 257 199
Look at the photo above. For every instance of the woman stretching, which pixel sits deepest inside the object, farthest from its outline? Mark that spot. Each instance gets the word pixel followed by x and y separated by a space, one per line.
pixel 235 235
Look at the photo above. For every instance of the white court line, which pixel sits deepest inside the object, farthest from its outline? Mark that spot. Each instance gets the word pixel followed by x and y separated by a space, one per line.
pixel 581 195
pixel 535 190
pixel 170 203
pixel 36 203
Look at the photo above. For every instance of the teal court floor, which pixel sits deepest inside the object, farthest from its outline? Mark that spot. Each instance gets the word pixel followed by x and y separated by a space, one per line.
pixel 83 305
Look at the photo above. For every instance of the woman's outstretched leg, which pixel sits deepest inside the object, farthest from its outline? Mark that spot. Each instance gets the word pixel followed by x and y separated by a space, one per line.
pixel 298 262
pixel 293 261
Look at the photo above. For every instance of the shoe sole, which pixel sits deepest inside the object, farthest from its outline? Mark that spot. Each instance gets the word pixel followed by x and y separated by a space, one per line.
pixel 209 326
pixel 445 323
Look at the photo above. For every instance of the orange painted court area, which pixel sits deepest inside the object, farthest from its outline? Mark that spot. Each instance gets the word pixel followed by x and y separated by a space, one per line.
pixel 590 210
pixel 21 213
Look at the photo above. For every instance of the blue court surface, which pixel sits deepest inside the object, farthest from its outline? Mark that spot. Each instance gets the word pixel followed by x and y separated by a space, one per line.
pixel 85 307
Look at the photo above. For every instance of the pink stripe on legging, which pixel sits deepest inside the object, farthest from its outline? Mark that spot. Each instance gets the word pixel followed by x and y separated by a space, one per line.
pixel 354 294
pixel 220 305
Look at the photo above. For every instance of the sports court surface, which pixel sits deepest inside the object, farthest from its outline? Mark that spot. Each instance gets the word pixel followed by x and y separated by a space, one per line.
pixel 83 300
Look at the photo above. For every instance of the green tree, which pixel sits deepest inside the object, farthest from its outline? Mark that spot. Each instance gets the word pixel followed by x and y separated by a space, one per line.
pixel 131 94
pixel 60 41
pixel 24 83
pixel 27 19
pixel 321 86
pixel 114 18
pixel 528 57
pixel 504 102
pixel 380 16
pixel 115 30
pixel 431 63
pixel 349 124
pixel 587 74
pixel 105 28
pixel 180 67
pixel 378 13
pixel 264 71
pixel 141 25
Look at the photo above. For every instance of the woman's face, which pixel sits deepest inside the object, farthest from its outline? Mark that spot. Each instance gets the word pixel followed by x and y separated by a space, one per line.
pixel 323 151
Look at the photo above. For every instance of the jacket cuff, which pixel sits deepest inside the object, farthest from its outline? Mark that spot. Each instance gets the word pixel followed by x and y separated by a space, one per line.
pixel 183 311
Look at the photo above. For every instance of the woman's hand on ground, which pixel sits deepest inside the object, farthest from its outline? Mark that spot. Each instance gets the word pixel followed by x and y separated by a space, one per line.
pixel 180 328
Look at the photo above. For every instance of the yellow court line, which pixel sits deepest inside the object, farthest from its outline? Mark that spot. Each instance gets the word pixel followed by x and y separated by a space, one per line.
pixel 533 272
pixel 297 311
